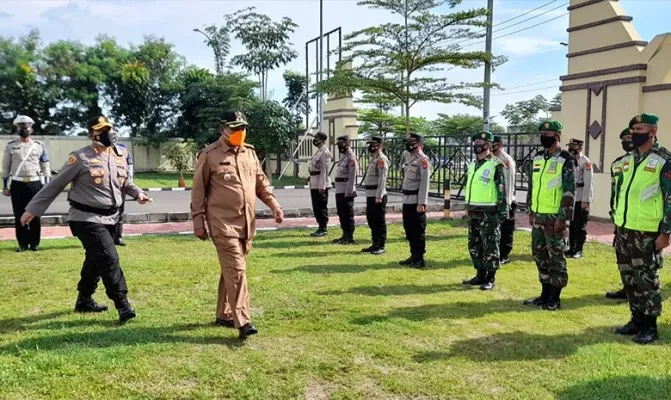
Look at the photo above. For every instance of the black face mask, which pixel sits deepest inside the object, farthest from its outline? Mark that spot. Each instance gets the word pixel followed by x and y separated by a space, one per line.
pixel 24 132
pixel 496 149
pixel 409 147
pixel 575 152
pixel 105 138
pixel 627 145
pixel 342 148
pixel 548 141
pixel 316 142
pixel 639 139
pixel 372 148
pixel 479 148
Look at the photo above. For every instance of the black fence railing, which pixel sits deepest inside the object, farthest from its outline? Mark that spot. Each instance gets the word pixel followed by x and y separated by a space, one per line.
pixel 450 157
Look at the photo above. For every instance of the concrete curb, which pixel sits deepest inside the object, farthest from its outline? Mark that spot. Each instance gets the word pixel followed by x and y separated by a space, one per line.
pixel 179 189
pixel 149 218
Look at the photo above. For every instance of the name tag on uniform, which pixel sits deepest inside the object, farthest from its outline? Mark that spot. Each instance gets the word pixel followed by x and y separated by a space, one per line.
pixel 485 177
pixel 553 167
pixel 651 166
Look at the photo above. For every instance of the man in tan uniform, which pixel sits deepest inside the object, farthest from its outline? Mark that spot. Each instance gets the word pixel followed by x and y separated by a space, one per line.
pixel 345 187
pixel 227 180
pixel 320 183
pixel 99 180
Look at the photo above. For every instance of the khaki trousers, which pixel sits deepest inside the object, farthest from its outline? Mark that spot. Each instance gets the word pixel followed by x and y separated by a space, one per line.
pixel 232 297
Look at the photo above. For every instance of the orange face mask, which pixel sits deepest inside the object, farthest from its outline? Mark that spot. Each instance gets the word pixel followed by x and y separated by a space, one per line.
pixel 237 138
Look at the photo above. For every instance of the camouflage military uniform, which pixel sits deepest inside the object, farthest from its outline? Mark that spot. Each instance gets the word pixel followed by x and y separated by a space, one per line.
pixel 484 226
pixel 637 257
pixel 548 245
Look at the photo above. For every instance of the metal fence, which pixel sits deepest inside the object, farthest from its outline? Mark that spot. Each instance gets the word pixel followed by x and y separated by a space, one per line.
pixel 450 157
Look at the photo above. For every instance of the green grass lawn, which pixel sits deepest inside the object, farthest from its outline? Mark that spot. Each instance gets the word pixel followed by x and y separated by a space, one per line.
pixel 171 179
pixel 334 324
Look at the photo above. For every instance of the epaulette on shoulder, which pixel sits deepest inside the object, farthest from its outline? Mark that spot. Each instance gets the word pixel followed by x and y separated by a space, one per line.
pixel 665 153
pixel 41 143
pixel 13 141
pixel 211 147
pixel 249 146
pixel 565 154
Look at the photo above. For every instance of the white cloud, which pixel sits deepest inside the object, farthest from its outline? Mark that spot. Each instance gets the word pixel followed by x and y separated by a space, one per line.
pixel 526 45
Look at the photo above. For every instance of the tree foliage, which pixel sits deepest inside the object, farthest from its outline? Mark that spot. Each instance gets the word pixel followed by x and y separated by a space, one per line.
pixel 218 38
pixel 460 124
pixel 402 60
pixel 266 41
pixel 526 115
pixel 296 98
pixel 271 128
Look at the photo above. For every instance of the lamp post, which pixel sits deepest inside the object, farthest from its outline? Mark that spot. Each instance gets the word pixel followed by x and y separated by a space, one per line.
pixel 210 42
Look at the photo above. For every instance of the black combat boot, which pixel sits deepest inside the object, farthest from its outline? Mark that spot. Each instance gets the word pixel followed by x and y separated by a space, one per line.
pixel 648 332
pixel 406 262
pixel 369 249
pixel 319 232
pixel 553 302
pixel 346 239
pixel 86 304
pixel 478 280
pixel 620 294
pixel 632 327
pixel 542 299
pixel 247 330
pixel 489 281
pixel 126 313
pixel 418 263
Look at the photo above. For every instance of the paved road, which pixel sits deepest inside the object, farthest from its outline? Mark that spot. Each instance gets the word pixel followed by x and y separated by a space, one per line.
pixel 179 202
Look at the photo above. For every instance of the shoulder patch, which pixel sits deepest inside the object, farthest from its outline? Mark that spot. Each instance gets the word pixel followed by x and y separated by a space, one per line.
pixel 588 166
pixel 72 159
pixel 381 163
pixel 425 163
pixel 506 163
pixel 352 162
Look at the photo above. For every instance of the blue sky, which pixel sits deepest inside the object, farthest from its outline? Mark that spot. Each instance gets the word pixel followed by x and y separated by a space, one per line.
pixel 536 59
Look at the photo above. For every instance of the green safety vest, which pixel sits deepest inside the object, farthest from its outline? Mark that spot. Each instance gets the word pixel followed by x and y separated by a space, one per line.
pixel 546 182
pixel 616 171
pixel 640 199
pixel 481 190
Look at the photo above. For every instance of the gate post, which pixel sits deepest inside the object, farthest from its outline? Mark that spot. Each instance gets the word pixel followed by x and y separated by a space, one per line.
pixel 446 197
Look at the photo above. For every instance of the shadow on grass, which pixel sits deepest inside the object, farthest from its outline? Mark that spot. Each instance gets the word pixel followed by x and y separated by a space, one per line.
pixel 124 336
pixel 397 290
pixel 524 346
pixel 25 323
pixel 459 310
pixel 351 269
pixel 619 388
pixel 306 240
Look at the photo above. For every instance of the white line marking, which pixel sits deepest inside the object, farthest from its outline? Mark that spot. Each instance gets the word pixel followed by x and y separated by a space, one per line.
pixel 154 189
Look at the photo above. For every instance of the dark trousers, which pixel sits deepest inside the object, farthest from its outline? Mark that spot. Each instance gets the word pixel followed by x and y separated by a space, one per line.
pixel 414 224
pixel 377 221
pixel 578 228
pixel 22 193
pixel 320 207
pixel 507 231
pixel 118 228
pixel 101 260
pixel 345 207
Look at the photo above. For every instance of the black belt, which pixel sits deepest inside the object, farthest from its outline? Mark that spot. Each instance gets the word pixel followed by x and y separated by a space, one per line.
pixel 315 173
pixel 410 192
pixel 100 211
pixel 342 179
pixel 371 187
pixel 580 184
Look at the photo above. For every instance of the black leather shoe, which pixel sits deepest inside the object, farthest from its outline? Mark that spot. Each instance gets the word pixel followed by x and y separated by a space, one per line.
pixel 406 262
pixel 630 328
pixel 35 248
pixel 490 278
pixel 346 241
pixel 478 280
pixel 569 253
pixel 418 264
pixel 338 241
pixel 577 254
pixel 126 314
pixel 553 302
pixel 247 330
pixel 228 323
pixel 648 332
pixel 620 294
pixel 538 301
pixel 378 252
pixel 120 242
pixel 88 305
pixel 21 249
pixel 319 233
pixel 369 249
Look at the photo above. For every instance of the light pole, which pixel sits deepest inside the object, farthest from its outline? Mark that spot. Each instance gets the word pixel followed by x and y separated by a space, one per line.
pixel 210 43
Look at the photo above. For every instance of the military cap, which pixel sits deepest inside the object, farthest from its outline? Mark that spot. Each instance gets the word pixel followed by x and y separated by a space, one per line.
pixel 343 139
pixel 552 126
pixel 644 119
pixel 374 139
pixel 320 135
pixel 577 142
pixel 498 139
pixel 23 119
pixel 625 132
pixel 484 135
pixel 234 119
pixel 98 123
pixel 414 138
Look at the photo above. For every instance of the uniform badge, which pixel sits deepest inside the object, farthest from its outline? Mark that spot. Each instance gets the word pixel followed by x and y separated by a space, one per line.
pixel 588 166
pixel 94 160
pixel 547 125
pixel 98 181
pixel 651 166
pixel 553 167
pixel 380 163
pixel 625 166
pixel 537 167
pixel 72 159
pixel 425 163
pixel 639 118
pixel 227 177
pixel 483 136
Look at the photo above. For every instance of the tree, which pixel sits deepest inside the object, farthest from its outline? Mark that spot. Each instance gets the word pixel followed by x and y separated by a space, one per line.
pixel 296 98
pixel 555 103
pixel 180 155
pixel 401 60
pixel 219 40
pixel 526 115
pixel 375 122
pixel 460 124
pixel 271 128
pixel 267 43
